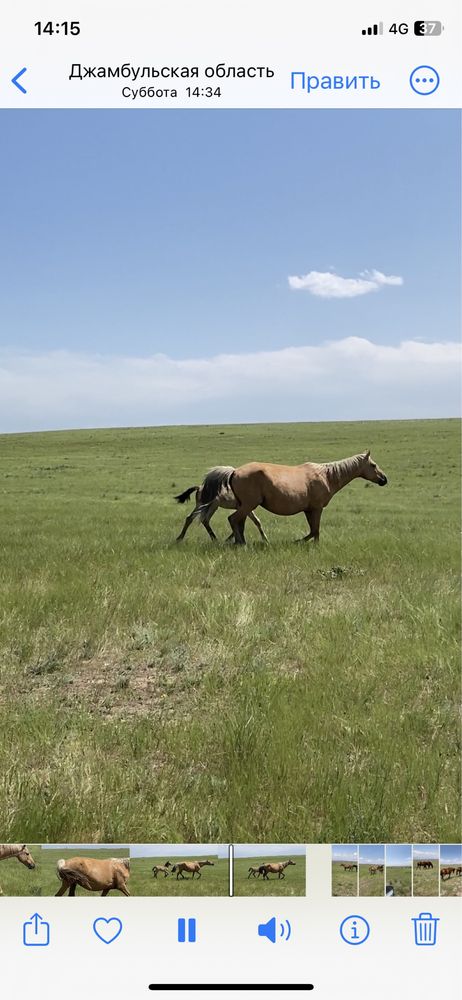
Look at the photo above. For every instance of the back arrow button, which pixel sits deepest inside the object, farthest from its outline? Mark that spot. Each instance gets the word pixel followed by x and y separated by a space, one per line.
pixel 16 78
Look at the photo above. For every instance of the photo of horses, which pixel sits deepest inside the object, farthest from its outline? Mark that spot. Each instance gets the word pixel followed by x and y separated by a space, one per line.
pixel 398 870
pixel 451 870
pixel 130 870
pixel 344 870
pixel 425 870
pixel 229 488
pixel 269 870
pixel 179 870
pixel 371 874
pixel 65 870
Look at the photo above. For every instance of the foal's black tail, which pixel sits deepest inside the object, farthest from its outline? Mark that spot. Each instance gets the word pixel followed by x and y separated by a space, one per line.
pixel 183 497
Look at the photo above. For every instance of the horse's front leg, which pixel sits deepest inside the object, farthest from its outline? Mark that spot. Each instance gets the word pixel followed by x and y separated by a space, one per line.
pixel 314 519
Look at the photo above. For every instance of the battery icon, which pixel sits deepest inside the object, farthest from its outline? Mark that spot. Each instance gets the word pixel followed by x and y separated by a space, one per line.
pixel 427 28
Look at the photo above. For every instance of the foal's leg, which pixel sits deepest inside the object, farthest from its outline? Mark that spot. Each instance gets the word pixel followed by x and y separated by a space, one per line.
pixel 187 524
pixel 211 510
pixel 258 524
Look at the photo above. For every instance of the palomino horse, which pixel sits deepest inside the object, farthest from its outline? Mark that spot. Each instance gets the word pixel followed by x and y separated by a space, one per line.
pixel 375 868
pixel 289 489
pixel 275 868
pixel 19 851
pixel 190 866
pixel 206 512
pixel 93 874
pixel 351 866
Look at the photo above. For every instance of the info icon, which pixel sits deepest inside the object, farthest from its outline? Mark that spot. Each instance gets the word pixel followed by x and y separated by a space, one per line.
pixel 354 929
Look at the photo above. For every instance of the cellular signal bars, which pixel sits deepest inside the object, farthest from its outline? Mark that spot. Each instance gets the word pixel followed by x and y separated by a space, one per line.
pixel 375 29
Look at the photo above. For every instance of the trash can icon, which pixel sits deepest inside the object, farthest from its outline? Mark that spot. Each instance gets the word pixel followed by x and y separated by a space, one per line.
pixel 425 929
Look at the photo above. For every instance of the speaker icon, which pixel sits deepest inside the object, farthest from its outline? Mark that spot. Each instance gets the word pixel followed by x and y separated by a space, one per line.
pixel 271 930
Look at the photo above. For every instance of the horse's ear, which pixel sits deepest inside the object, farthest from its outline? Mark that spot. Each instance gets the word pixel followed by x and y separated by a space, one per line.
pixel 367 453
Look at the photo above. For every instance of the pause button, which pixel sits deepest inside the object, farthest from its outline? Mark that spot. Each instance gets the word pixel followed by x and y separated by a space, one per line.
pixel 187 929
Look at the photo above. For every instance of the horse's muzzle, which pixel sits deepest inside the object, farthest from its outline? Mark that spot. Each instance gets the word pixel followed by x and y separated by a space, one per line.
pixel 382 481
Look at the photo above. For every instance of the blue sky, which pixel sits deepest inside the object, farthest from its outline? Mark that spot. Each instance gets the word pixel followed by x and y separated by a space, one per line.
pixel 371 854
pixel 188 267
pixel 451 854
pixel 398 855
pixel 266 850
pixel 169 851
pixel 425 852
pixel 344 852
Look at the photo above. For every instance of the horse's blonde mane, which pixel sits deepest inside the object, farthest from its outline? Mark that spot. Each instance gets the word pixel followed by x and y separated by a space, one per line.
pixel 10 850
pixel 345 466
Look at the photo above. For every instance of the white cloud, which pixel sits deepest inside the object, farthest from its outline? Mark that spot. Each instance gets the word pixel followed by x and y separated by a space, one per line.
pixel 349 379
pixel 328 285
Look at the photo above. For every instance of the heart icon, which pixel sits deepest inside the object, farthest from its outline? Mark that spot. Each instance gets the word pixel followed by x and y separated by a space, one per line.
pixel 107 930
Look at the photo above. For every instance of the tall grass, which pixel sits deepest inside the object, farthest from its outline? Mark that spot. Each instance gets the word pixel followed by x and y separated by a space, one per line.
pixel 155 692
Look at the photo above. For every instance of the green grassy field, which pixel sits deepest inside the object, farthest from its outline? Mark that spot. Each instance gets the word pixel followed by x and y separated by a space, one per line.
pixel 371 885
pixel 426 880
pixel 400 877
pixel 451 886
pixel 294 884
pixel 344 883
pixel 213 881
pixel 16 880
pixel 205 693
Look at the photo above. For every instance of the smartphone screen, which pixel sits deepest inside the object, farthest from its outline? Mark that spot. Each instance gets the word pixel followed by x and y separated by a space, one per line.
pixel 230 500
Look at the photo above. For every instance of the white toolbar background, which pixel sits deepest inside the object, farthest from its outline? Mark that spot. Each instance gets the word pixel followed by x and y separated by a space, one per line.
pixel 322 39
pixel 228 949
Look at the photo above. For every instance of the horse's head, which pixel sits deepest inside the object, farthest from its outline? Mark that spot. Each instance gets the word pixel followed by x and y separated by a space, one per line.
pixel 25 857
pixel 371 471
pixel 209 863
pixel 291 862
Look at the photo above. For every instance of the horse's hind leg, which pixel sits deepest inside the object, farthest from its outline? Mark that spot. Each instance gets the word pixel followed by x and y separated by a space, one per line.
pixel 64 887
pixel 237 522
pixel 232 536
pixel 258 524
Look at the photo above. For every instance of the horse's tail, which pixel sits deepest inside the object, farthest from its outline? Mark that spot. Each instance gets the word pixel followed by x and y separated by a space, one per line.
pixel 217 483
pixel 183 497
pixel 59 866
